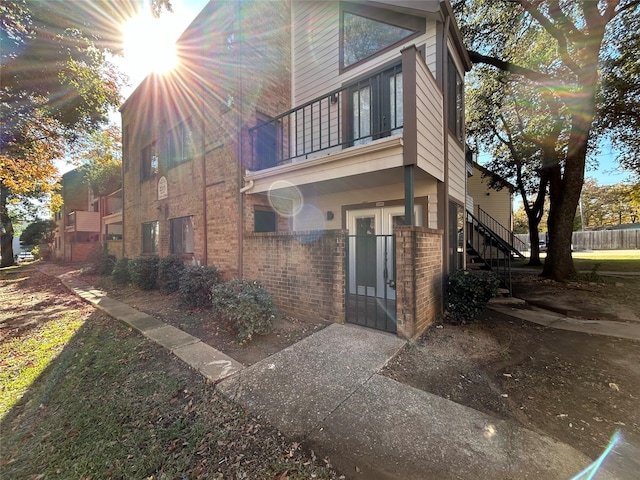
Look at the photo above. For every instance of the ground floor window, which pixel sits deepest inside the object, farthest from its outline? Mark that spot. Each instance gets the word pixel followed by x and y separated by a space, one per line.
pixel 150 232
pixel 182 238
pixel 456 237
pixel 264 220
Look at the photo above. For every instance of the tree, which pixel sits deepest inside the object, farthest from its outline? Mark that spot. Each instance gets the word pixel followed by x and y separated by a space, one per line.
pixel 608 205
pixel 567 75
pixel 40 232
pixel 57 85
pixel 100 156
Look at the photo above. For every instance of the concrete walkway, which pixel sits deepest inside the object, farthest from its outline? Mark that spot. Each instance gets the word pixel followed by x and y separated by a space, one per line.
pixel 326 391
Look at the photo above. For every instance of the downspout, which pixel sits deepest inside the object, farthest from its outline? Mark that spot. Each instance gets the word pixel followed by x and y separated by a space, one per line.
pixel 239 103
pixel 444 195
pixel 205 260
pixel 246 188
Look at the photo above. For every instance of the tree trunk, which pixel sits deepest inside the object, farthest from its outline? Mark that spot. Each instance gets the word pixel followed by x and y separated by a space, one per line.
pixel 6 230
pixel 534 238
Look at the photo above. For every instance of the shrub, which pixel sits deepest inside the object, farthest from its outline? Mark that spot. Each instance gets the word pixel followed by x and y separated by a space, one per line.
pixel 169 270
pixel 120 272
pixel 195 285
pixel 100 261
pixel 143 272
pixel 246 305
pixel 468 294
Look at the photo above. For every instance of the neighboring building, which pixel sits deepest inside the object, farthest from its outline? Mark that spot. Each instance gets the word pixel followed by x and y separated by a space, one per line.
pixel 290 124
pixel 86 221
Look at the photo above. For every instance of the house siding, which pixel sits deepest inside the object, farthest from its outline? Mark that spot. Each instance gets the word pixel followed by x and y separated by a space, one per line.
pixel 429 104
pixel 316 40
pixel 495 203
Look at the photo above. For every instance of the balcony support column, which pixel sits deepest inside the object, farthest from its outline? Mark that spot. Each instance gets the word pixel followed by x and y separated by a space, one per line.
pixel 409 179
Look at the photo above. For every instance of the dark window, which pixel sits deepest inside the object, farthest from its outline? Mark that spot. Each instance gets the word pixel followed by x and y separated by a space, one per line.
pixel 180 146
pixel 455 103
pixel 367 31
pixel 149 162
pixel 264 221
pixel 375 107
pixel 266 145
pixel 150 232
pixel 182 238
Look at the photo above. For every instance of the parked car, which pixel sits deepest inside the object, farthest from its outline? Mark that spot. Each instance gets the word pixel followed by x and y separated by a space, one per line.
pixel 22 256
pixel 542 246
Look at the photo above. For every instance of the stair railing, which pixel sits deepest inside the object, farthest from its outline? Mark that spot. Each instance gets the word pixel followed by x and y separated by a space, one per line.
pixel 493 250
pixel 517 245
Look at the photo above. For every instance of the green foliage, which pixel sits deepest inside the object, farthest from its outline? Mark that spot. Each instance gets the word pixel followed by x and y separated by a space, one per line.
pixel 468 294
pixel 38 232
pixel 591 276
pixel 41 252
pixel 246 305
pixel 100 154
pixel 120 273
pixel 196 284
pixel 143 272
pixel 101 262
pixel 169 271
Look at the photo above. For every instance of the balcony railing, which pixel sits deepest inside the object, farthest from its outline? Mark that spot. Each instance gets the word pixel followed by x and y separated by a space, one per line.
pixel 354 114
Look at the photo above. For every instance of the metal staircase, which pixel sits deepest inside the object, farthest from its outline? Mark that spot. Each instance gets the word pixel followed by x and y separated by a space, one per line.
pixel 486 250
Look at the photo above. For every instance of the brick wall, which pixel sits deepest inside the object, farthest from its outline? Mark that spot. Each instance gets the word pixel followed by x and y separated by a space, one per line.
pixel 304 271
pixel 80 251
pixel 418 278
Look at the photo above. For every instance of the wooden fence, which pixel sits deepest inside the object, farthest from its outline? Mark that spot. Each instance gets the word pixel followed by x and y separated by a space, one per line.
pixel 628 239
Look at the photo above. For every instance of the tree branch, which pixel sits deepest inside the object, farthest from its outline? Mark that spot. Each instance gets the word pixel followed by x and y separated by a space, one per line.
pixel 506 66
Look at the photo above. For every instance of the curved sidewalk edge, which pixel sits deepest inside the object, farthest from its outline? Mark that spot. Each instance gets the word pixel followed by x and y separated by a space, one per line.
pixel 597 327
pixel 211 363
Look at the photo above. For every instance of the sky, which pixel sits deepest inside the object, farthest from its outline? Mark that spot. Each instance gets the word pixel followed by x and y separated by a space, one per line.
pixel 148 39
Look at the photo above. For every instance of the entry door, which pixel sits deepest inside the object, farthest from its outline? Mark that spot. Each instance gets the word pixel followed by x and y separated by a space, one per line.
pixel 371 249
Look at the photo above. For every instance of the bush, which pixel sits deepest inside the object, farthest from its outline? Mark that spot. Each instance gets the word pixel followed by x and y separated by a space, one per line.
pixel 120 272
pixel 143 272
pixel 246 305
pixel 195 285
pixel 468 294
pixel 169 270
pixel 100 261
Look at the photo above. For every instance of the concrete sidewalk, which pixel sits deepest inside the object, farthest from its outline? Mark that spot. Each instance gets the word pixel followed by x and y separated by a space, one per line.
pixel 326 391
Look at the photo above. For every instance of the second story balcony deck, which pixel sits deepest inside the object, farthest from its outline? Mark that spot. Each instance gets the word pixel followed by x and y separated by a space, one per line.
pixel 398 109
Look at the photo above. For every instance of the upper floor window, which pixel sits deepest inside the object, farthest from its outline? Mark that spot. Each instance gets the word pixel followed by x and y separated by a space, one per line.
pixel 180 147
pixel 368 31
pixel 150 231
pixel 149 161
pixel 455 99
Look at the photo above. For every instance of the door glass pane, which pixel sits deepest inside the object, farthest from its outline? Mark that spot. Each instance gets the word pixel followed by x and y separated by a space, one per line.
pixel 366 252
pixel 396 106
pixel 361 101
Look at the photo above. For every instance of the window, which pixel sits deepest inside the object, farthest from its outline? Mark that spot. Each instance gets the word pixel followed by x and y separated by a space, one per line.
pixel 264 220
pixel 182 239
pixel 266 152
pixel 149 163
pixel 150 232
pixel 455 104
pixel 180 147
pixel 376 108
pixel 368 31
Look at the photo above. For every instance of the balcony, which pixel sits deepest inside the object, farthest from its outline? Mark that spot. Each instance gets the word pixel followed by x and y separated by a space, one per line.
pixel 113 203
pixel 389 119
pixel 83 221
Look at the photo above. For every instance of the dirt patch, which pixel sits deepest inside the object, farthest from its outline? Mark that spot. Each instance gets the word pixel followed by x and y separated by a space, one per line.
pixel 199 322
pixel 575 387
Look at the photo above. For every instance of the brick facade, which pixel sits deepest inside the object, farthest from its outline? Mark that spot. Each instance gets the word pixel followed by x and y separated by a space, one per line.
pixel 304 271
pixel 418 278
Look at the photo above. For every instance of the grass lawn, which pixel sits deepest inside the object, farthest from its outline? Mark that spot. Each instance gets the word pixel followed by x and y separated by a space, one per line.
pixel 113 405
pixel 604 260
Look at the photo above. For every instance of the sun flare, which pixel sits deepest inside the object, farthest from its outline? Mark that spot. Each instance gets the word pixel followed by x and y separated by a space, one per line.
pixel 149 44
